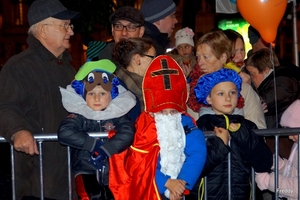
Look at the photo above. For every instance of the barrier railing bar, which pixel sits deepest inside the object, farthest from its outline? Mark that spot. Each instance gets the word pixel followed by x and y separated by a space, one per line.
pixel 53 137
pixel 13 175
pixel 261 132
pixel 276 166
pixel 298 168
pixel 41 169
pixel 69 172
pixel 229 173
pixel 253 191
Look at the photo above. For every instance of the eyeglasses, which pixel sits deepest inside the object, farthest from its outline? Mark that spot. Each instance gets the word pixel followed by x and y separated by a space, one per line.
pixel 149 56
pixel 66 26
pixel 129 28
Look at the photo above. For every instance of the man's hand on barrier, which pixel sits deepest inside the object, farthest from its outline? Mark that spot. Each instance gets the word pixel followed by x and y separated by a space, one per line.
pixel 24 141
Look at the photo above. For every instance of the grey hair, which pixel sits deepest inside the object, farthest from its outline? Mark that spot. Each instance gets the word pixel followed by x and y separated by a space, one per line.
pixel 33 29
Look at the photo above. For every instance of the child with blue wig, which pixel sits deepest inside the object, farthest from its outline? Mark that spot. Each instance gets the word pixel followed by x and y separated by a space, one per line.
pixel 96 103
pixel 233 134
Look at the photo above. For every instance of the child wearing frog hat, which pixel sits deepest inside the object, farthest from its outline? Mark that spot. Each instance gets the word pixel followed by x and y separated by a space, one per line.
pixel 233 133
pixel 96 103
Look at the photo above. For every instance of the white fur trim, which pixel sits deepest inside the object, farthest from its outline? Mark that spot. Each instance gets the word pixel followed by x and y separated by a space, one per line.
pixel 118 107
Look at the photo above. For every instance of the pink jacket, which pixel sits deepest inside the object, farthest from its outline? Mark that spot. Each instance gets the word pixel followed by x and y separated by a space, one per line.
pixel 287 186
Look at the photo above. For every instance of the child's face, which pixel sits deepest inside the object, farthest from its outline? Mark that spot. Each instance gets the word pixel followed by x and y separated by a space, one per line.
pixel 223 98
pixel 98 98
pixel 166 111
pixel 184 50
pixel 294 138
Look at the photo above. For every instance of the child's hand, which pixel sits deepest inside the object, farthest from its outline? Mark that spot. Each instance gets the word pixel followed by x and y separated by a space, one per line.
pixel 222 133
pixel 176 187
pixel 245 77
pixel 234 127
pixel 264 106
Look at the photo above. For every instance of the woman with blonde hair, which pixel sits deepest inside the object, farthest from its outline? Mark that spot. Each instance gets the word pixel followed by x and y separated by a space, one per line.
pixel 213 51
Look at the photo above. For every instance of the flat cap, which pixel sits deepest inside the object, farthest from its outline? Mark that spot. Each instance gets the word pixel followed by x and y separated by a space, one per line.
pixel 128 13
pixel 43 9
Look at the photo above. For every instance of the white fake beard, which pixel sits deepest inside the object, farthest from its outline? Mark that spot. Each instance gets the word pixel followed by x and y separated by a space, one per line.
pixel 171 137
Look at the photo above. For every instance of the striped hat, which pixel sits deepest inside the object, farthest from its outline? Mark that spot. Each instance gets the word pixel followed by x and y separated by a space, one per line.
pixel 94 47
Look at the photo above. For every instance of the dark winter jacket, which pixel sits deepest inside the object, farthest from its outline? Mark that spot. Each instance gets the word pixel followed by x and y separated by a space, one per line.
pixel 246 150
pixel 30 100
pixel 287 89
pixel 74 131
pixel 160 40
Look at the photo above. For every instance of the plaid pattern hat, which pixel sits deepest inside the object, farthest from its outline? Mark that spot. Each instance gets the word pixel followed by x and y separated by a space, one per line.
pixel 128 13
pixel 43 9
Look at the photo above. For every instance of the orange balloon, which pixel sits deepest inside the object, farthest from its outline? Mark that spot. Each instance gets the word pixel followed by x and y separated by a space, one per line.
pixel 263 15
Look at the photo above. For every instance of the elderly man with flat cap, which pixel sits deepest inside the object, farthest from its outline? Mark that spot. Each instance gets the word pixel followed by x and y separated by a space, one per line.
pixel 30 101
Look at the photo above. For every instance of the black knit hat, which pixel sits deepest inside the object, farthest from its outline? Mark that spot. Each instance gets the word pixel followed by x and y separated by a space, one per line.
pixel 43 9
pixel 154 10
pixel 253 35
pixel 127 13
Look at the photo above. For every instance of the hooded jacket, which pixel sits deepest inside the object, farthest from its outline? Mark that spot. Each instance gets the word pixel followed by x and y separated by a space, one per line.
pixel 74 129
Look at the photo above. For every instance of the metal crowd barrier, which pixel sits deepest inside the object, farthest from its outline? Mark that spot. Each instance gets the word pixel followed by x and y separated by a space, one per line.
pixel 262 132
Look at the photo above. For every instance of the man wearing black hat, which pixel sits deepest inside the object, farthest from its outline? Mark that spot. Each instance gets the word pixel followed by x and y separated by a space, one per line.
pixel 126 22
pixel 30 101
pixel 160 20
pixel 255 40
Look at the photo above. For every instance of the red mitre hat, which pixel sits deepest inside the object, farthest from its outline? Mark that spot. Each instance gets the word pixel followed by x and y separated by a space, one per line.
pixel 164 85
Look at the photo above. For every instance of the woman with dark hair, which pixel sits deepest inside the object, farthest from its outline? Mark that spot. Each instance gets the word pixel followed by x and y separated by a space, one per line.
pixel 133 56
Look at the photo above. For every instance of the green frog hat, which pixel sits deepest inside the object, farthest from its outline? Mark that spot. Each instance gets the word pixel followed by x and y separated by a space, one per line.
pixel 94 73
pixel 90 75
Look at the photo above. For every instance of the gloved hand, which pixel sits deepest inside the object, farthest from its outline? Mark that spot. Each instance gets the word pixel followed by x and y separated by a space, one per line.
pixel 98 156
